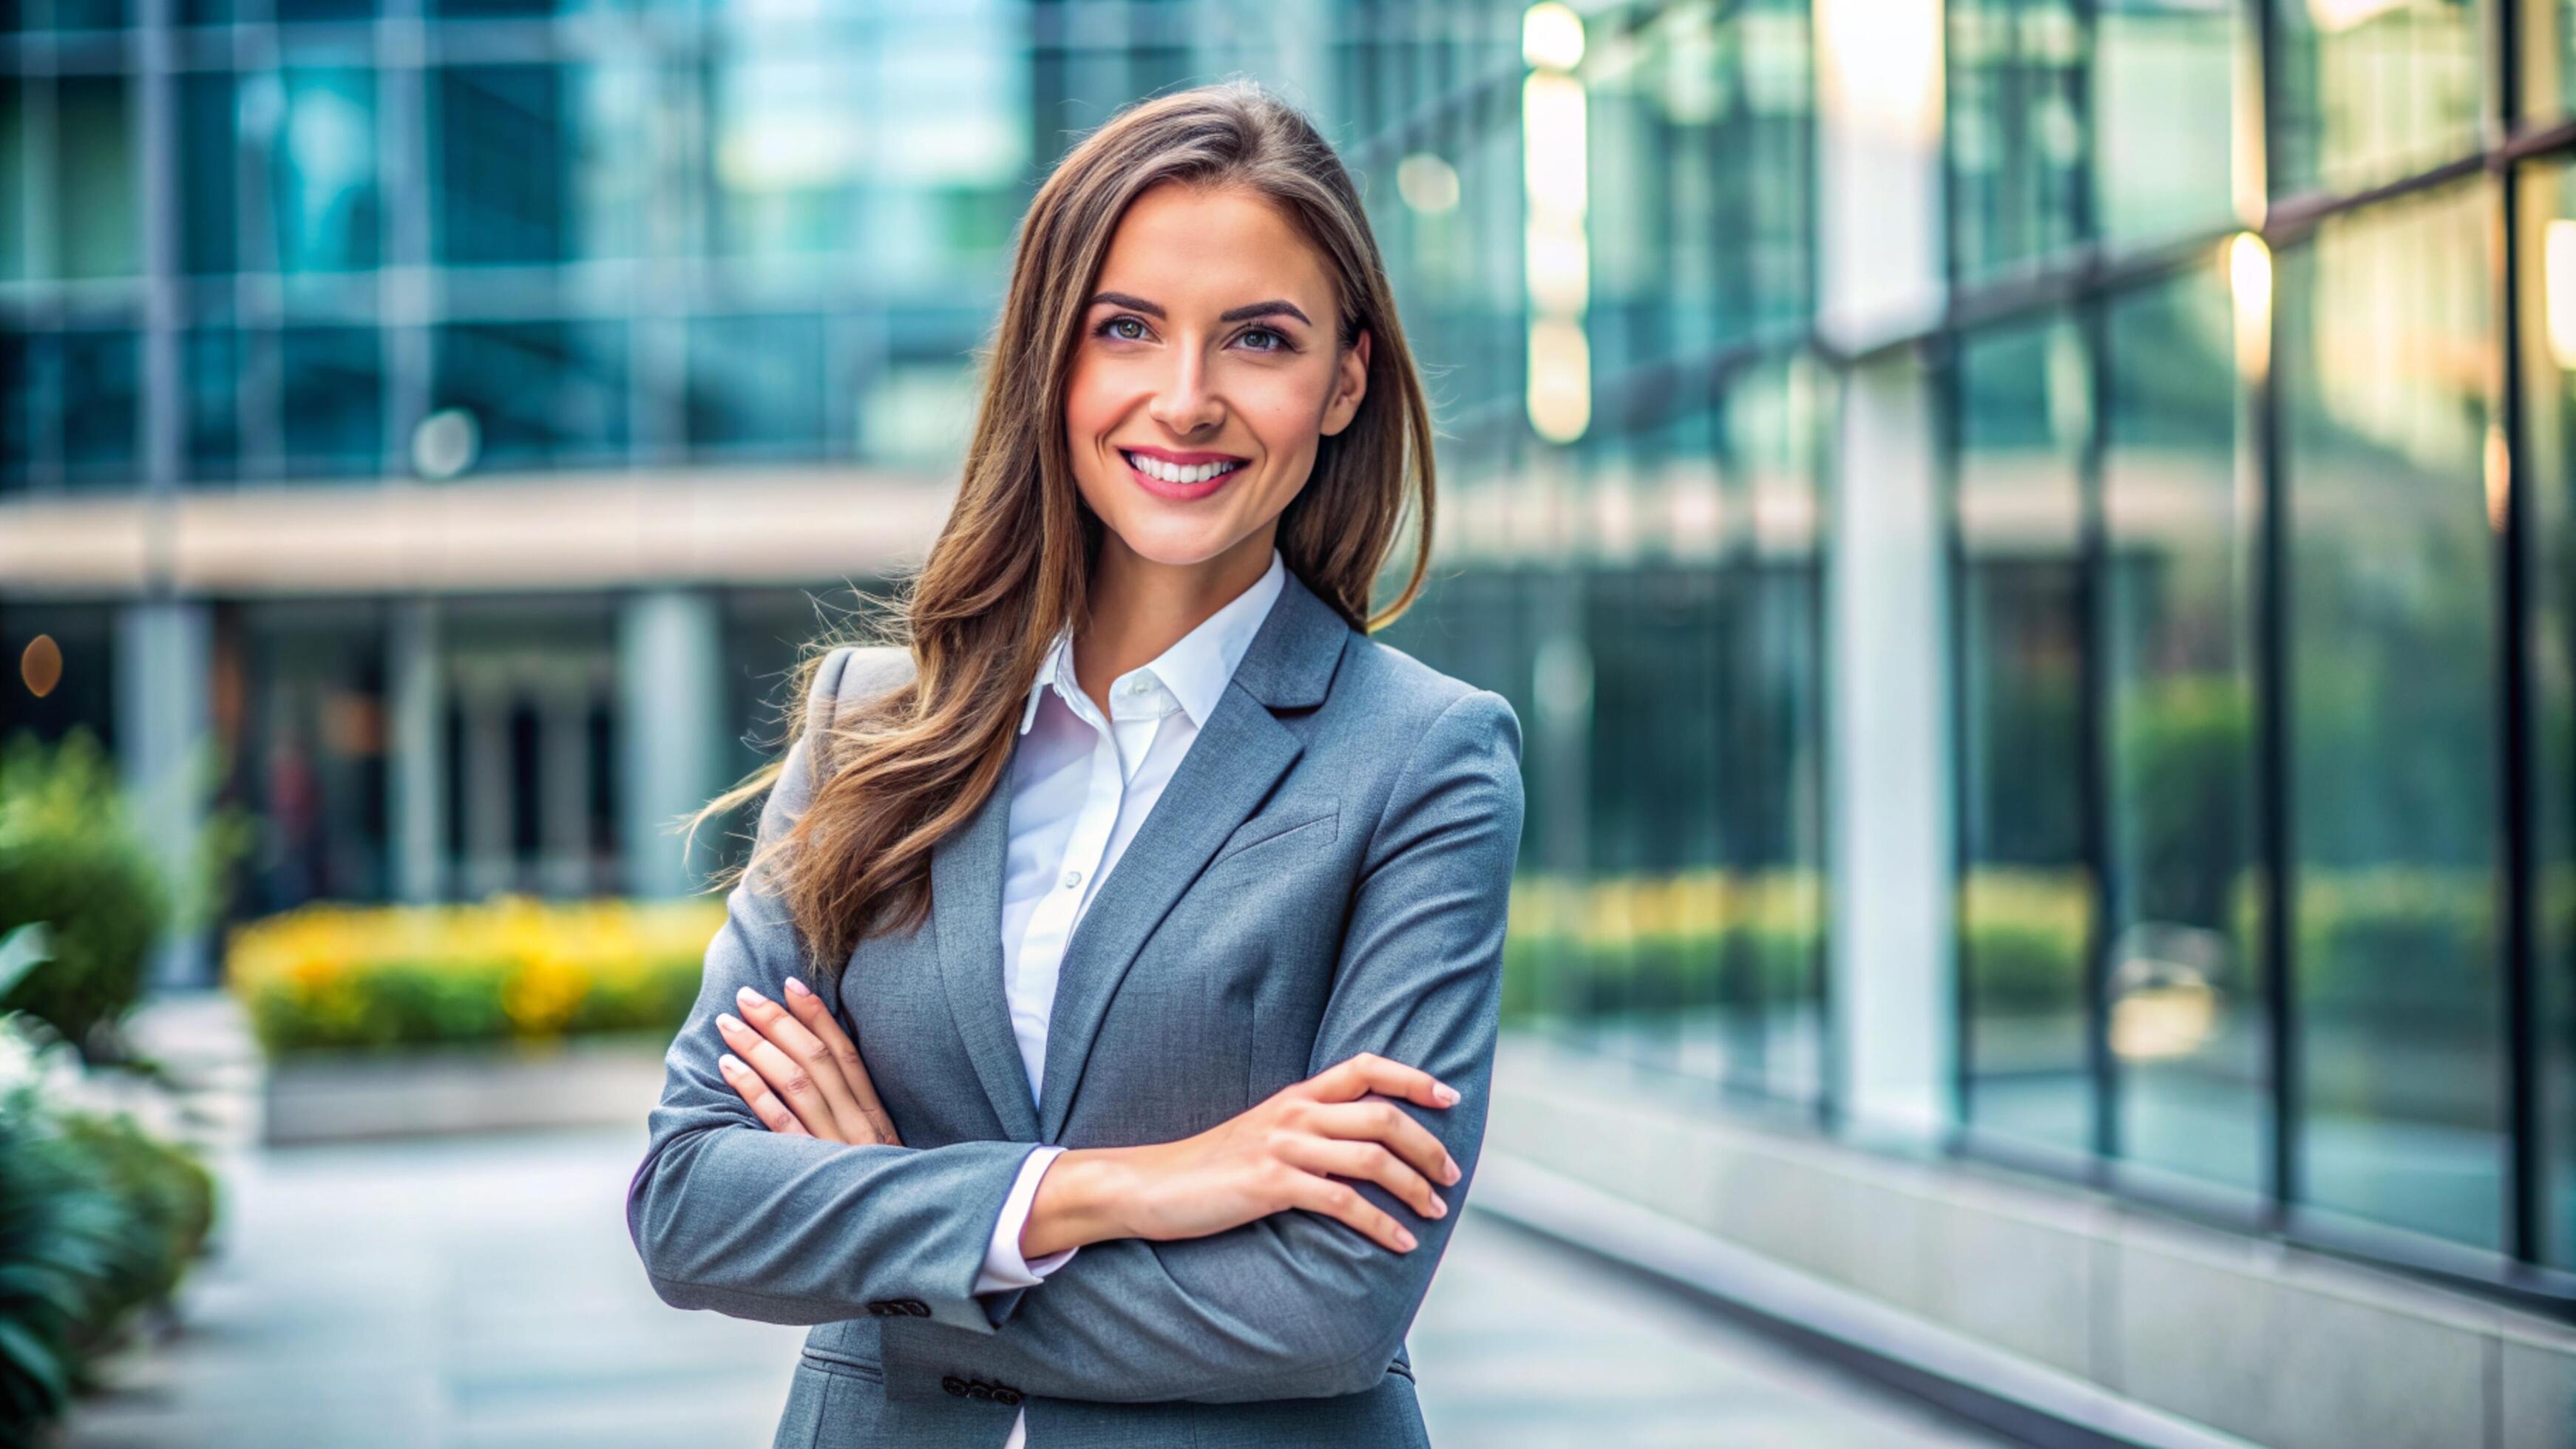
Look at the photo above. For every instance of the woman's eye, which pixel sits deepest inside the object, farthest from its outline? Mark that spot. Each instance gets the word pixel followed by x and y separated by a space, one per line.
pixel 1109 329
pixel 1279 339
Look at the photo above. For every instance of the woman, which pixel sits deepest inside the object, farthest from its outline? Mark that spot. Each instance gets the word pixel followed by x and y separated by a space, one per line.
pixel 1097 1043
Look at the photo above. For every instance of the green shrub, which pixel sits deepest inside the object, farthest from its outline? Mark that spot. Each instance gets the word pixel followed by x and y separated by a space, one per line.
pixel 71 858
pixel 327 977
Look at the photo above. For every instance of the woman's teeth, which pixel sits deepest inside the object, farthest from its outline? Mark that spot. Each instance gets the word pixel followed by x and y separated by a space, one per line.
pixel 1173 473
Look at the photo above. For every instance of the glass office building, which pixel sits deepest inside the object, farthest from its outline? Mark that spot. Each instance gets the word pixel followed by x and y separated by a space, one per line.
pixel 454 408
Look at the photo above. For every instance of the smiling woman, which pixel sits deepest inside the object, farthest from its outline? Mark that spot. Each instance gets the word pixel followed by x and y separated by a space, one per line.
pixel 1184 1171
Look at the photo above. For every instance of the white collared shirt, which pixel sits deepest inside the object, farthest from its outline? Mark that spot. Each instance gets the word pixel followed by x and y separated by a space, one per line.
pixel 1080 786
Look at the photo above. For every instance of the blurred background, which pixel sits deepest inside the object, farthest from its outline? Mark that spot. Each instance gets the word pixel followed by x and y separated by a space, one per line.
pixel 2033 541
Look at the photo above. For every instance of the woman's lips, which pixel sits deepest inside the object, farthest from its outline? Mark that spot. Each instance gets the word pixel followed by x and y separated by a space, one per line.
pixel 1178 492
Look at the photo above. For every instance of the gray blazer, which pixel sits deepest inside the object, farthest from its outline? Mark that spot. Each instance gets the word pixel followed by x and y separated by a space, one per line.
pixel 1326 874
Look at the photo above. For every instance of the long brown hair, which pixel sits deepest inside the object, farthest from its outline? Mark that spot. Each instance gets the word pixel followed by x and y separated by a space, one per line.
pixel 1011 566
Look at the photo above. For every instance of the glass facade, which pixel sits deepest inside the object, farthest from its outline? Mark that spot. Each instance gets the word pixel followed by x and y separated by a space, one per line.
pixel 2251 367
pixel 2261 696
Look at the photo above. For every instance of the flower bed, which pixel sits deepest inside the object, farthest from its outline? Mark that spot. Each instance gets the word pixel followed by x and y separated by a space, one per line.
pixel 510 968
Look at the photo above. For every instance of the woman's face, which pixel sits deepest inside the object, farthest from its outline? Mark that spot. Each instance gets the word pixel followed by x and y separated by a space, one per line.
pixel 1206 374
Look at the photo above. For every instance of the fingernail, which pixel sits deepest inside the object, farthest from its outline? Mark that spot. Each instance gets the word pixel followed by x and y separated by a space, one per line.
pixel 731 1063
pixel 1447 1094
pixel 1404 1239
pixel 728 1021
pixel 797 987
pixel 746 996
pixel 1450 1165
pixel 1439 1209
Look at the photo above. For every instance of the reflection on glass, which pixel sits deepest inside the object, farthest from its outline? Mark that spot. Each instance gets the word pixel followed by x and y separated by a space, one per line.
pixel 1698 123
pixel 101 394
pixel 97 222
pixel 2386 336
pixel 15 178
pixel 2164 102
pixel 2547 42
pixel 331 387
pixel 2371 90
pixel 30 381
pixel 210 370
pixel 2025 905
pixel 2018 131
pixel 537 164
pixel 318 129
pixel 543 394
pixel 789 150
pixel 756 386
pixel 2548 280
pixel 208 220
pixel 2184 986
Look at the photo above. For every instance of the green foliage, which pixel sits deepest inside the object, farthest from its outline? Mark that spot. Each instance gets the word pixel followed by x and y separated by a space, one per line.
pixel 71 857
pixel 97 1220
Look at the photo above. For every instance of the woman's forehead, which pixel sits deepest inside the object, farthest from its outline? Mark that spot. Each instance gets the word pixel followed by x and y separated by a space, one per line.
pixel 1194 249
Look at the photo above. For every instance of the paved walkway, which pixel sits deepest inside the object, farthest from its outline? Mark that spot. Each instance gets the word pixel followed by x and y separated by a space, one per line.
pixel 481 1291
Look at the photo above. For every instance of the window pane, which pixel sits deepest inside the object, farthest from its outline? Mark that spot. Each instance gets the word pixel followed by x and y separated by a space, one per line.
pixel 2025 906
pixel 756 386
pixel 101 421
pixel 2385 324
pixel 2165 87
pixel 537 164
pixel 208 225
pixel 210 364
pixel 2372 90
pixel 2185 989
pixel 332 391
pixel 325 207
pixel 2018 137
pixel 97 230
pixel 543 394
pixel 2549 390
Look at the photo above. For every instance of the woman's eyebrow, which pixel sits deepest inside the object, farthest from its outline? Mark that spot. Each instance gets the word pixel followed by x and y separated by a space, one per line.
pixel 1274 307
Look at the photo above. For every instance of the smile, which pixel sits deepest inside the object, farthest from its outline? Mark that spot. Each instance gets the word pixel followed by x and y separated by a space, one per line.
pixel 1179 480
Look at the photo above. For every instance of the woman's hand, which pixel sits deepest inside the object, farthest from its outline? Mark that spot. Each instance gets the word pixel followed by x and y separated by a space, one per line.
pixel 1283 1153
pixel 799 1070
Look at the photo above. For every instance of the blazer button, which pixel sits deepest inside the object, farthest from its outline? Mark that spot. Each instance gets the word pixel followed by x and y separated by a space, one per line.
pixel 913 1306
pixel 955 1386
pixel 1005 1394
pixel 978 1389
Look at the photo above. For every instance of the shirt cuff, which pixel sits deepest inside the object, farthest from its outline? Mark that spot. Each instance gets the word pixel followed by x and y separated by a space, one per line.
pixel 1003 1266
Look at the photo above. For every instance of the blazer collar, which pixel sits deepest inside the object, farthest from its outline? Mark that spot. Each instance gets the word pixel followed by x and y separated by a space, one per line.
pixel 1241 752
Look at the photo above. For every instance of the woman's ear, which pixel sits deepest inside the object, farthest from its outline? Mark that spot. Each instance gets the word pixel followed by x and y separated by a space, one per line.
pixel 1350 385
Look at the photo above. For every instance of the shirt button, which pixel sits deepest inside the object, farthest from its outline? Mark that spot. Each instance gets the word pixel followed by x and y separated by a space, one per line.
pixel 1072 878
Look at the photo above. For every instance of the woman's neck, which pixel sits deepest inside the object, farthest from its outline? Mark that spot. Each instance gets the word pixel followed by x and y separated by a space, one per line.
pixel 1139 607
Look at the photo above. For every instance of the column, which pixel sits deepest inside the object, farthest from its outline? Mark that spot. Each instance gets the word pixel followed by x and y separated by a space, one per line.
pixel 165 756
pixel 418 777
pixel 672 722
pixel 1888 809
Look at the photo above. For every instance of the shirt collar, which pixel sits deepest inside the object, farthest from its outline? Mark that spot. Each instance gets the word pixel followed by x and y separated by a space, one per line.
pixel 1199 664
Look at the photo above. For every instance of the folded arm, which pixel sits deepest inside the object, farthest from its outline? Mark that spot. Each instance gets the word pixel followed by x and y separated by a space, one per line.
pixel 1297 1304
pixel 790 1228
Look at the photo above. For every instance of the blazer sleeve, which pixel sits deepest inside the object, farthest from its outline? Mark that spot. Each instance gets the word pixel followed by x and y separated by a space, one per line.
pixel 729 1215
pixel 1296 1304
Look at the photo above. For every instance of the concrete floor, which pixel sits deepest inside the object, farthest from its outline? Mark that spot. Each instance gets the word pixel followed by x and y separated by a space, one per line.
pixel 481 1291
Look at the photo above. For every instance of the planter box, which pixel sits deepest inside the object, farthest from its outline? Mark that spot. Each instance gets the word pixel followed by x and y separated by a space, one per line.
pixel 504 1086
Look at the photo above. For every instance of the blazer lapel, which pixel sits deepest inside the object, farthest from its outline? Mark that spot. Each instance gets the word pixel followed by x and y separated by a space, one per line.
pixel 1238 756
pixel 966 912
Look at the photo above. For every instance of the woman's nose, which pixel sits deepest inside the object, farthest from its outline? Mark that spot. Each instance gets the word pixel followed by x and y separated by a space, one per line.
pixel 1184 403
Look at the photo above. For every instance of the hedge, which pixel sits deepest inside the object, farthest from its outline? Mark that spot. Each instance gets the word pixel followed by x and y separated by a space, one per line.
pixel 508 968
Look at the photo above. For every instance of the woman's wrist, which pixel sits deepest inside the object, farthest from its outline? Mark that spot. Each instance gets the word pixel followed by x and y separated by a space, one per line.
pixel 1081 1198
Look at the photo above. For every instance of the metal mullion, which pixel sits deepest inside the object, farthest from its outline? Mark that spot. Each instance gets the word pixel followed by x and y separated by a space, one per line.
pixel 2526 1205
pixel 1948 434
pixel 2094 740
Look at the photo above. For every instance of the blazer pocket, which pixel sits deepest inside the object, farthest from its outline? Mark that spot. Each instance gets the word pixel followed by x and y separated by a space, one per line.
pixel 1310 830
